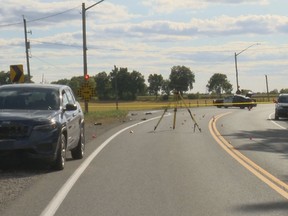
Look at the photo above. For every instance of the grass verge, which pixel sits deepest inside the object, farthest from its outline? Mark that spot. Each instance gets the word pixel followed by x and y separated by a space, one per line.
pixel 105 116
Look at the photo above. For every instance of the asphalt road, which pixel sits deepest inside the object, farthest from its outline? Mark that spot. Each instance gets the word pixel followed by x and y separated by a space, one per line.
pixel 134 170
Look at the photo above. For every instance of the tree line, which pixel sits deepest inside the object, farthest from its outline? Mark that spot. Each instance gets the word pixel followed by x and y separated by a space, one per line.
pixel 127 85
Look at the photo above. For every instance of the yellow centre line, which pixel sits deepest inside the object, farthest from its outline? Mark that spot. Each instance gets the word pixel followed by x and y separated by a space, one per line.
pixel 273 182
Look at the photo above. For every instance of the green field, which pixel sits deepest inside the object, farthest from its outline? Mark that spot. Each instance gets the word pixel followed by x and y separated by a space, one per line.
pixel 108 110
pixel 146 105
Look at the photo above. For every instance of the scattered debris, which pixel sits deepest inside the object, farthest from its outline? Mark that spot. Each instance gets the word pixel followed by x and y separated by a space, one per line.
pixel 93 136
pixel 143 119
pixel 134 114
pixel 131 131
pixel 148 113
pixel 97 123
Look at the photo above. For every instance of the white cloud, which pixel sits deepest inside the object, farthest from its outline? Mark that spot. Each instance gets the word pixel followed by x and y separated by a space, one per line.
pixel 132 37
pixel 168 6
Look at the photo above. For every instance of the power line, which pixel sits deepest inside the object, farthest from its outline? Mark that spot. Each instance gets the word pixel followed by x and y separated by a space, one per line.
pixel 37 19
pixel 58 44
pixel 46 17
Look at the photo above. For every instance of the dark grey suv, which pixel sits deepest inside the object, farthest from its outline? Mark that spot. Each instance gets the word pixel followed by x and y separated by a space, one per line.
pixel 281 107
pixel 41 121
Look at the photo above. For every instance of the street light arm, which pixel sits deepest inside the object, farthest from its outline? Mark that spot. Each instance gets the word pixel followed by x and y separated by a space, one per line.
pixel 236 68
pixel 93 5
pixel 247 48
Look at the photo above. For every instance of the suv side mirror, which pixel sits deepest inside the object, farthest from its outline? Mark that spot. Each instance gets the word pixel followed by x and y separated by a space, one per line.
pixel 70 107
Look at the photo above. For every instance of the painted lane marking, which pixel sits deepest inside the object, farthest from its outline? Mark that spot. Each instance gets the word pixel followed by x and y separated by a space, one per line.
pixel 273 182
pixel 57 200
pixel 270 117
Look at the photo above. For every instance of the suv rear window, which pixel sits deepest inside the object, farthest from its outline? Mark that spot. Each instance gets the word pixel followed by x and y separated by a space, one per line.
pixel 283 99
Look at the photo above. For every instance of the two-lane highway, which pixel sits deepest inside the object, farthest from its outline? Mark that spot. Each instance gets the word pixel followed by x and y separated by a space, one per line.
pixel 134 170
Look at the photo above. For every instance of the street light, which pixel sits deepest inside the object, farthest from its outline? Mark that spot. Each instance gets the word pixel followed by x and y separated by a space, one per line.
pixel 236 54
pixel 84 42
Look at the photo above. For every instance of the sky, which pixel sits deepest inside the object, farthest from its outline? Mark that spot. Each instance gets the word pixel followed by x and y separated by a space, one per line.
pixel 150 36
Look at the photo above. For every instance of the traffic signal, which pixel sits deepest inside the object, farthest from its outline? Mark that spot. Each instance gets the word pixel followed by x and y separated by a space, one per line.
pixel 86 77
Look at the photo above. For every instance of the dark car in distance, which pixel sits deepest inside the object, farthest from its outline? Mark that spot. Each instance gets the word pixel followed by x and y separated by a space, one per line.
pixel 281 107
pixel 41 121
pixel 240 101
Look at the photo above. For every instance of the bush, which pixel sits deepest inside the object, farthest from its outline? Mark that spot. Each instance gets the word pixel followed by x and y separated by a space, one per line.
pixel 165 97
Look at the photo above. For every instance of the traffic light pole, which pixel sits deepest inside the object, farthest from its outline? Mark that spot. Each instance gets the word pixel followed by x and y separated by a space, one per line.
pixel 85 42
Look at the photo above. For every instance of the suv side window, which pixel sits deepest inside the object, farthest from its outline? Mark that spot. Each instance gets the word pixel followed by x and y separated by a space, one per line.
pixel 68 98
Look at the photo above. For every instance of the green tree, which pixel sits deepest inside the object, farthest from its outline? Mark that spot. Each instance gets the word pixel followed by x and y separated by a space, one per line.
pixel 129 85
pixel 155 83
pixel 75 84
pixel 62 82
pixel 103 86
pixel 181 79
pixel 274 91
pixel 4 78
pixel 166 90
pixel 219 83
pixel 284 91
pixel 137 84
pixel 121 76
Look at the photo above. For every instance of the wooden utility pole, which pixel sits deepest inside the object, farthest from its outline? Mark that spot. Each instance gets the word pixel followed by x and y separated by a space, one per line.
pixel 27 47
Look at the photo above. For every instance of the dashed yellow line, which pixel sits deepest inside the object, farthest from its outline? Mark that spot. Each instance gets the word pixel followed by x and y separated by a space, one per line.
pixel 273 182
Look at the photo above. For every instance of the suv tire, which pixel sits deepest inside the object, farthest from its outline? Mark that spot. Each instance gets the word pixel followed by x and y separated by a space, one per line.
pixel 59 163
pixel 78 152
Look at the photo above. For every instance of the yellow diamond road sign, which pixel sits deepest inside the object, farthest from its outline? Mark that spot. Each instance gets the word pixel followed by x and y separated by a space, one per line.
pixel 86 91
pixel 16 73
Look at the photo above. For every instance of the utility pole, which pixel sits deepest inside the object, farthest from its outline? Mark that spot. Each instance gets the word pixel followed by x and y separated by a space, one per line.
pixel 27 47
pixel 237 82
pixel 267 88
pixel 116 86
pixel 85 42
pixel 236 54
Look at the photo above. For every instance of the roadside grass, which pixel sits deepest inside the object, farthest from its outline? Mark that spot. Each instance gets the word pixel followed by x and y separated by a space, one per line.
pixel 107 112
pixel 146 105
pixel 105 116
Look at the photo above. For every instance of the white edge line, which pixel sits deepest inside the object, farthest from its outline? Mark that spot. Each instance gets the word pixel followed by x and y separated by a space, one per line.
pixel 270 117
pixel 59 197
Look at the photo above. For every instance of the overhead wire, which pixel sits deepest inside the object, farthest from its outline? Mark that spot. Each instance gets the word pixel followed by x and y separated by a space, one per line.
pixel 37 19
pixel 49 16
